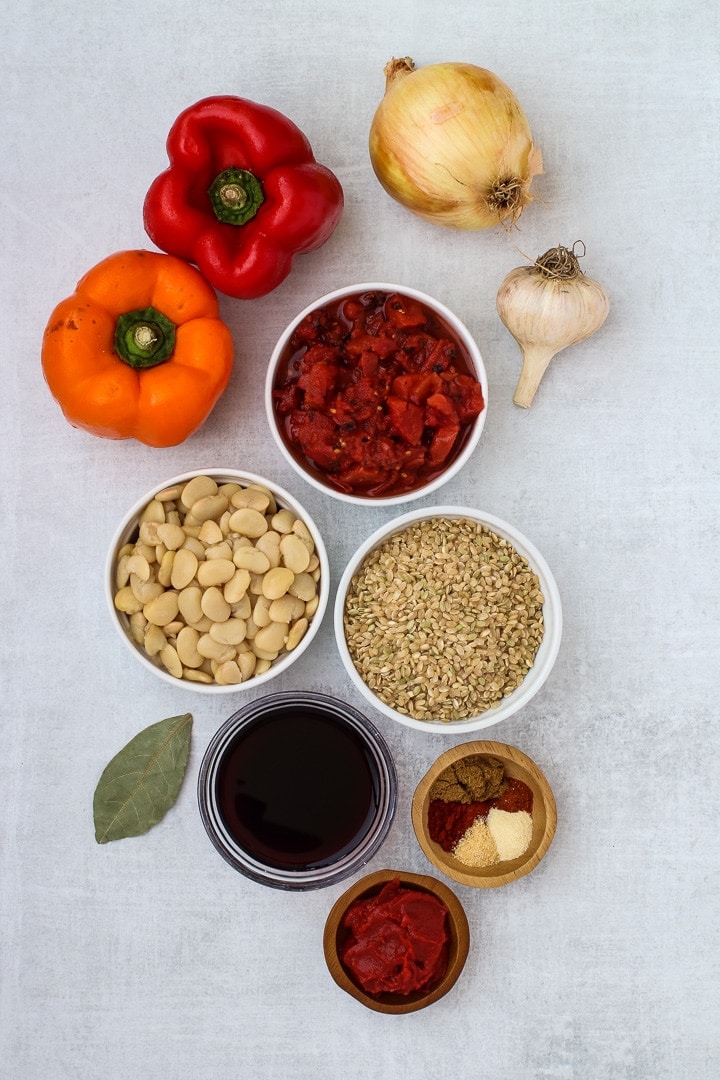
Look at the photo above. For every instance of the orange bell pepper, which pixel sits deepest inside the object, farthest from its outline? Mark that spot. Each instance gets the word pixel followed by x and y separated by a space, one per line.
pixel 139 350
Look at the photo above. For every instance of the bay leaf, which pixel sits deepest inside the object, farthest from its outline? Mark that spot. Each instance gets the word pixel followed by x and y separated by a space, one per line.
pixel 143 780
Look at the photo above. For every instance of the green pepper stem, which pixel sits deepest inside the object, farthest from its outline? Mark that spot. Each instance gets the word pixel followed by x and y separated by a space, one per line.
pixel 236 196
pixel 144 338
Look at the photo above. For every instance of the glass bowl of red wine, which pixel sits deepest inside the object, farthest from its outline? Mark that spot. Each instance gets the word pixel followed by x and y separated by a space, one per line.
pixel 297 790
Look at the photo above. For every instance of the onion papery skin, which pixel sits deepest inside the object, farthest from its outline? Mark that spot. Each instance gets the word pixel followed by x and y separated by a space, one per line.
pixel 445 136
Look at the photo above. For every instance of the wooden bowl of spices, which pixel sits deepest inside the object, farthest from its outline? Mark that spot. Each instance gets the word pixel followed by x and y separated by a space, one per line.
pixel 428 929
pixel 484 814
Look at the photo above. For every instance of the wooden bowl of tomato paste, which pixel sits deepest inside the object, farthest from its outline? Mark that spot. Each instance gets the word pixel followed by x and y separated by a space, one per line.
pixel 484 814
pixel 376 393
pixel 412 918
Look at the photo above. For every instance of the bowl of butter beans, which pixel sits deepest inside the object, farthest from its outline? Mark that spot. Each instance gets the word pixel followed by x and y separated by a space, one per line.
pixel 217 580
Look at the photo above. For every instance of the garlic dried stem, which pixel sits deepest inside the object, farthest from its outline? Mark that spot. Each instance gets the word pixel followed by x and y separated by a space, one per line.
pixel 535 361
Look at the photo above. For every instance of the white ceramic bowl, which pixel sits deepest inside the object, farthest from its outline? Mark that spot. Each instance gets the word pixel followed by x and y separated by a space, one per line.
pixel 545 656
pixel 456 461
pixel 128 527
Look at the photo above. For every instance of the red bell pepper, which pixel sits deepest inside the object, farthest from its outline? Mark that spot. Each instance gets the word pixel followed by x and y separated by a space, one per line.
pixel 242 196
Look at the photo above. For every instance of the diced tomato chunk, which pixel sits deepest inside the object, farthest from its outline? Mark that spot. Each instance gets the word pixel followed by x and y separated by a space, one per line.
pixel 442 443
pixel 407 419
pixel 440 411
pixel 317 383
pixel 316 436
pixel 404 312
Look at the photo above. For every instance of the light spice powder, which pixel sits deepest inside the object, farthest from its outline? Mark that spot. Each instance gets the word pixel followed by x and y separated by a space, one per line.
pixel 444 619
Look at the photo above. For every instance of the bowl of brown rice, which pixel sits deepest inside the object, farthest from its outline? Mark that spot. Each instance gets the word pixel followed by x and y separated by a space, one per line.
pixel 448 619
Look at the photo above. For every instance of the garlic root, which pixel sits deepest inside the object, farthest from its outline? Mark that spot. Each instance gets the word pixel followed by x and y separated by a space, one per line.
pixel 547 307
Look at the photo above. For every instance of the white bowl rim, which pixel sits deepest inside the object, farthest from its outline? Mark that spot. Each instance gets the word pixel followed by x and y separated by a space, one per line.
pixel 472 348
pixel 552 613
pixel 285 499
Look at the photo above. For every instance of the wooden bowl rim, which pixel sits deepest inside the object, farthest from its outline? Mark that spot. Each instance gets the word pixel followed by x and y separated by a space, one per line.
pixel 451 867
pixel 460 933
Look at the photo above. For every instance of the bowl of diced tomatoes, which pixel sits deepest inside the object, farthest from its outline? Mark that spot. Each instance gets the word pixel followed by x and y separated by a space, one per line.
pixel 376 393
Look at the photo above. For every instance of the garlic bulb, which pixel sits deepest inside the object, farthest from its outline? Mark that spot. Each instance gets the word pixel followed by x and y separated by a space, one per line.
pixel 547 307
pixel 451 143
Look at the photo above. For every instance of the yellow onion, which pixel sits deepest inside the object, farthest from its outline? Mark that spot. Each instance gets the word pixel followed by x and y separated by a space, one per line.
pixel 451 143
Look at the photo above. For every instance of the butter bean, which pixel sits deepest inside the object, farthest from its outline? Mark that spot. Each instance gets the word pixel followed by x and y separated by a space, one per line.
pixel 264 654
pixel 271 638
pixel 230 632
pixel 202 625
pixel 210 532
pixel 138 565
pixel 164 574
pixel 214 605
pixel 145 591
pixel 171 661
pixel 252 498
pixel 197 488
pixel 184 568
pixel 243 608
pixel 126 601
pixel 223 550
pixel 215 572
pixel 197 676
pixel 236 588
pixel 248 522
pixel 251 558
pixel 155 640
pixel 173 629
pixel 214 650
pixel 229 489
pixel 301 530
pixel 148 533
pixel 138 622
pixel 154 511
pixel 303 587
pixel 283 521
pixel 189 604
pixel 269 544
pixel 228 674
pixel 296 634
pixel 146 550
pixel 211 506
pixel 186 646
pixel 272 505
pixel 196 546
pixel 169 494
pixel 262 665
pixel 255 587
pixel 261 612
pixel 163 609
pixel 277 581
pixel 311 606
pixel 122 574
pixel 294 554
pixel 246 661
pixel 172 536
pixel 287 609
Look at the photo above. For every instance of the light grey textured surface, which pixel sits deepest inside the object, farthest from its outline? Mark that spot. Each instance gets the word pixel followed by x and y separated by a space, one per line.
pixel 151 958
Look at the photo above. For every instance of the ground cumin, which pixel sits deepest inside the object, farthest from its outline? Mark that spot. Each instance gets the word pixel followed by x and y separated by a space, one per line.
pixel 472 779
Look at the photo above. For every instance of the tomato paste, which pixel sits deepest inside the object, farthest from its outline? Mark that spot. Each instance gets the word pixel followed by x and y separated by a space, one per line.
pixel 398 940
pixel 375 394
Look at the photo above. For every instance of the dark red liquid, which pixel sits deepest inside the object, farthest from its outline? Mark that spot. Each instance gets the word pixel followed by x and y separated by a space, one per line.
pixel 298 789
